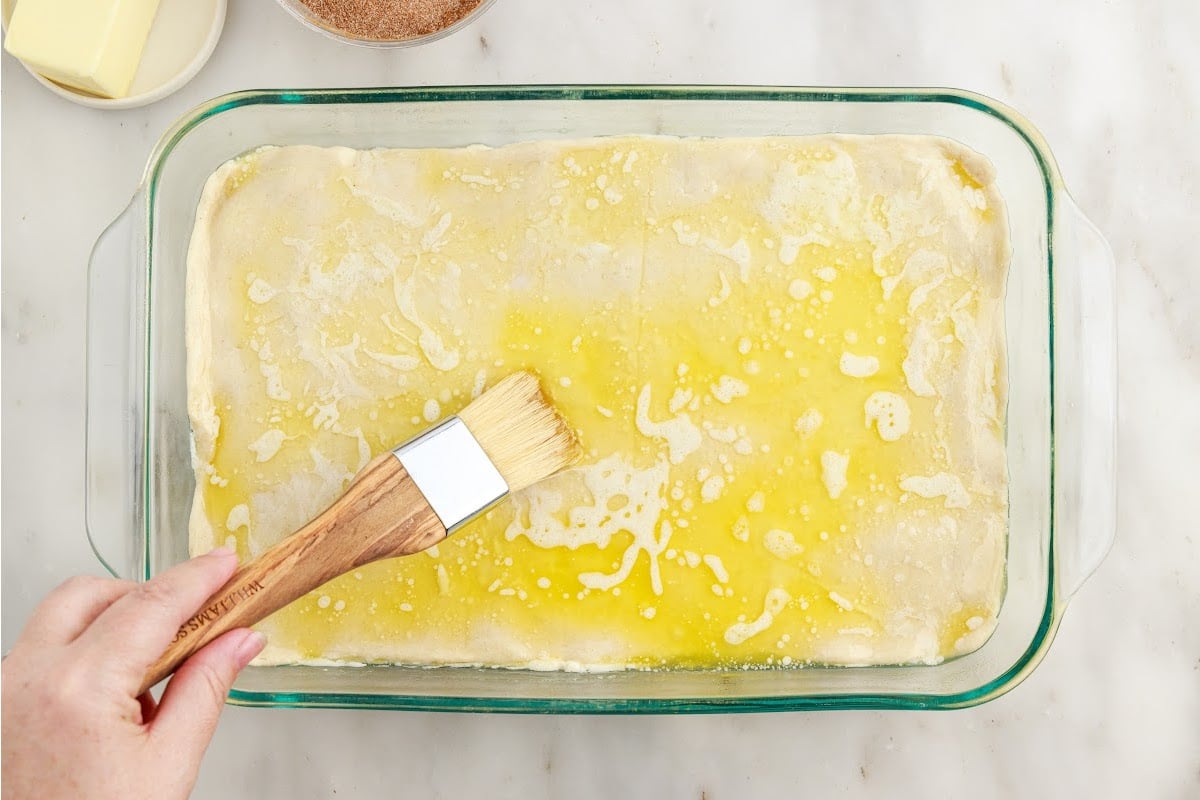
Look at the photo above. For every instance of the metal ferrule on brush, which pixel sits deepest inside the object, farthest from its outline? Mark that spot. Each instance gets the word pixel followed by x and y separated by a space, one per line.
pixel 450 468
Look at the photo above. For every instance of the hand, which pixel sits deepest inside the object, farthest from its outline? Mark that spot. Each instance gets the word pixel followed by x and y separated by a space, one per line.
pixel 72 725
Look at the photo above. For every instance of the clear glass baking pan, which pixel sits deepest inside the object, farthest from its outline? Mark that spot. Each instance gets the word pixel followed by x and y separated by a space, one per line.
pixel 1061 367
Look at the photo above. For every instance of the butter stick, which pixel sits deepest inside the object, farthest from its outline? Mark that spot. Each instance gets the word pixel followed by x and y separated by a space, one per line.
pixel 93 45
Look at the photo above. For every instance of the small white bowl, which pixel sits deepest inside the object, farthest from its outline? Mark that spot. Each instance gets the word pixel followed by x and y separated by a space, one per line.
pixel 183 36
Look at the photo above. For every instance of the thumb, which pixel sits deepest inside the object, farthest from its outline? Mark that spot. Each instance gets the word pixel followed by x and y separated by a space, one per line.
pixel 188 711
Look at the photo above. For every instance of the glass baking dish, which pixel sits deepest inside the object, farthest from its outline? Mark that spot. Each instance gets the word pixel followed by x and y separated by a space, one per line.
pixel 1061 367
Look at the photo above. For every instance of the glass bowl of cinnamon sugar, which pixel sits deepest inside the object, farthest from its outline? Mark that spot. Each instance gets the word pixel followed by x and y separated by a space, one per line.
pixel 386 23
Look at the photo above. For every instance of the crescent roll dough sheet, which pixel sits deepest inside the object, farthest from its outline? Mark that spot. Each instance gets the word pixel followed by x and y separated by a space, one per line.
pixel 784 357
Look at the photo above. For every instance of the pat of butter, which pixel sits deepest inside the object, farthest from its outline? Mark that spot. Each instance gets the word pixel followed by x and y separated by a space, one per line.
pixel 93 45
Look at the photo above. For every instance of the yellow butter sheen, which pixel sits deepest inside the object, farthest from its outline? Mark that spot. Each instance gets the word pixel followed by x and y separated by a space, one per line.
pixel 783 355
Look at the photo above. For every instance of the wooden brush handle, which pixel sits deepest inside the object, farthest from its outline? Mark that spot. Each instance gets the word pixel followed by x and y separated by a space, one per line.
pixel 382 514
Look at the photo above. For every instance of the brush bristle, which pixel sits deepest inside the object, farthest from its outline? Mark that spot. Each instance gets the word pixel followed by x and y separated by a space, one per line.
pixel 521 432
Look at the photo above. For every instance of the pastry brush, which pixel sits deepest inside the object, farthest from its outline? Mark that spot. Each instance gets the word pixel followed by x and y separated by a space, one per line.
pixel 404 501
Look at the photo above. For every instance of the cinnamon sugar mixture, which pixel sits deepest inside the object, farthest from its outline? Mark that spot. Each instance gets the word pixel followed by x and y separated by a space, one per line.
pixel 383 20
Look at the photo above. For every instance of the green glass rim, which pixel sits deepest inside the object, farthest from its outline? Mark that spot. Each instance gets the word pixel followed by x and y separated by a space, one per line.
pixel 997 686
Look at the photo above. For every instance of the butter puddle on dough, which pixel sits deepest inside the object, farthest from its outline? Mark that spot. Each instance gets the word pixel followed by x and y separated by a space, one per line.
pixel 261 292
pixel 943 484
pixel 266 446
pixel 858 366
pixel 681 435
pixel 640 495
pixel 922 353
pixel 717 566
pixel 808 422
pixel 889 413
pixel 800 289
pixel 727 389
pixel 239 517
pixel 833 472
pixel 782 544
pixel 773 604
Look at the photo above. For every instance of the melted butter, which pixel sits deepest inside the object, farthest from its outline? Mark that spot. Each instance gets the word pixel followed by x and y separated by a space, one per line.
pixel 667 291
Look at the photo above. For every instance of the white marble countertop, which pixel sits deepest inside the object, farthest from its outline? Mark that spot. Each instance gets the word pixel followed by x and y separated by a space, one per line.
pixel 1113 711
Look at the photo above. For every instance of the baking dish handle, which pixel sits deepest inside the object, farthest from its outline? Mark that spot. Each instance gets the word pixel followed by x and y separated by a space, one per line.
pixel 1085 359
pixel 116 402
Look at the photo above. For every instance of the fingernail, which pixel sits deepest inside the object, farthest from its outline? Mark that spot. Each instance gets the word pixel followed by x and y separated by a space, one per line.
pixel 222 552
pixel 250 646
